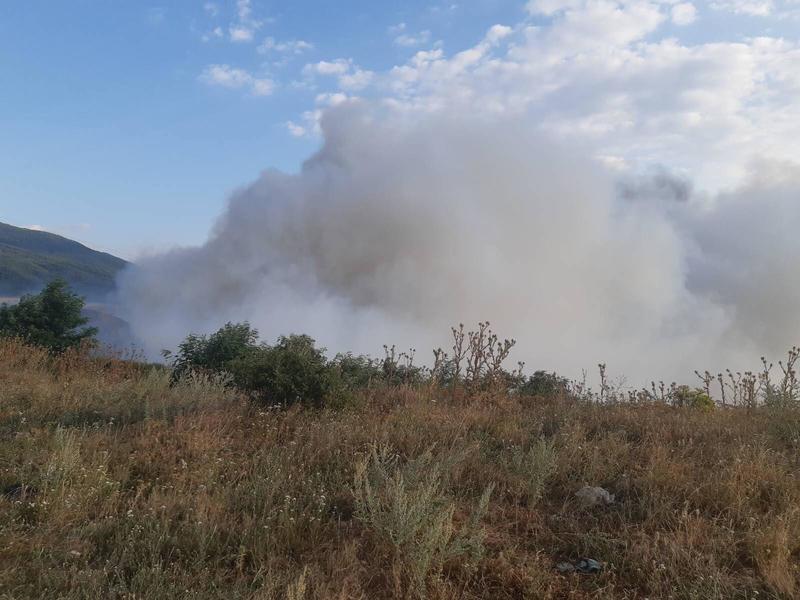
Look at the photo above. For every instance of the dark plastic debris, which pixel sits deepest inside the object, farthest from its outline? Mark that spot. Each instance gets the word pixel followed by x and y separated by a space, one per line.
pixel 585 566
pixel 18 491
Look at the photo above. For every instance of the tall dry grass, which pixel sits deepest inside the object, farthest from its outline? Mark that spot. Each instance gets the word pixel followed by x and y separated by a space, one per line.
pixel 118 485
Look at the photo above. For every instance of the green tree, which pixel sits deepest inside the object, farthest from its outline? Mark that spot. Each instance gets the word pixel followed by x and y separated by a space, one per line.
pixel 52 319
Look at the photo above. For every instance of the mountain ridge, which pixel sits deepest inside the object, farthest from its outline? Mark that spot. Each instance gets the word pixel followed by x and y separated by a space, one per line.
pixel 29 259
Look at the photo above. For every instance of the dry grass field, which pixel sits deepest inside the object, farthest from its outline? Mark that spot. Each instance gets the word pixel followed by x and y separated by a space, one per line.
pixel 117 484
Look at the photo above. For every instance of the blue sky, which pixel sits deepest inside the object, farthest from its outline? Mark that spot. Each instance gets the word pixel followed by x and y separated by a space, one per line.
pixel 126 124
pixel 108 135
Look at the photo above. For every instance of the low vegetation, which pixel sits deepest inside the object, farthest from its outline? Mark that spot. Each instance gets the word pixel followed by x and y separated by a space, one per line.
pixel 279 473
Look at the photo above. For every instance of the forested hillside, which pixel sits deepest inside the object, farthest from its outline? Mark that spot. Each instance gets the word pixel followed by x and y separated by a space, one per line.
pixel 29 259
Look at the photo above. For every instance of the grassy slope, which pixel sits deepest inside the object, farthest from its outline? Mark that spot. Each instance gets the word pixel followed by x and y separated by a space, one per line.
pixel 141 490
pixel 29 259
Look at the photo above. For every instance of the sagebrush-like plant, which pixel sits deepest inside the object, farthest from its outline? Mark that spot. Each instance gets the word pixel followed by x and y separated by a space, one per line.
pixel 534 467
pixel 407 506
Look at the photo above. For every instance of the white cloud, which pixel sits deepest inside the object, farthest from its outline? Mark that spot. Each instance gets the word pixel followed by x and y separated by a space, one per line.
pixel 349 76
pixel 443 8
pixel 262 87
pixel 497 33
pixel 409 40
pixel 295 129
pixel 311 120
pixel 226 76
pixel 287 47
pixel 684 13
pixel 775 9
pixel 757 8
pixel 211 8
pixel 340 66
pixel 215 33
pixel 331 99
pixel 602 72
pixel 356 80
pixel 236 79
pixel 309 125
pixel 243 26
pixel 550 7
pixel 241 34
pixel 243 29
pixel 244 10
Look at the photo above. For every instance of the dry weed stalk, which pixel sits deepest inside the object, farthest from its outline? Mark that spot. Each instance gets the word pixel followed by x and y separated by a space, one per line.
pixel 480 356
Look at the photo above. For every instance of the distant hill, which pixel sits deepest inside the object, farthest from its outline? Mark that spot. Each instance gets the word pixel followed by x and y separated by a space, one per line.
pixel 30 259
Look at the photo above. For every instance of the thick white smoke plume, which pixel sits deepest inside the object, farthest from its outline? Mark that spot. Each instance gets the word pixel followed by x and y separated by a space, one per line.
pixel 397 230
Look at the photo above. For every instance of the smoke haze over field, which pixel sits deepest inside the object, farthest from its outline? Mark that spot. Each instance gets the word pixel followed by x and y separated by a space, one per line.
pixel 399 228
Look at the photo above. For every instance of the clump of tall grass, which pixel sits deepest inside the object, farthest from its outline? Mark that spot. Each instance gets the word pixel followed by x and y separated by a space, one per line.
pixel 533 467
pixel 407 506
pixel 76 388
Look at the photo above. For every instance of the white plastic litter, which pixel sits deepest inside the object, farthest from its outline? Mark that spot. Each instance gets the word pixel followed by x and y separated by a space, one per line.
pixel 594 496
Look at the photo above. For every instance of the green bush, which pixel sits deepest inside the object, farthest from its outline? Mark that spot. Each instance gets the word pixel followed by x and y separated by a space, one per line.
pixel 213 353
pixel 692 398
pixel 356 371
pixel 291 371
pixel 543 384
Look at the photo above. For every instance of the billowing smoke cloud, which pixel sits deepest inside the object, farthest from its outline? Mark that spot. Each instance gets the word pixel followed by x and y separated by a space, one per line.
pixel 396 230
pixel 744 259
pixel 658 184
